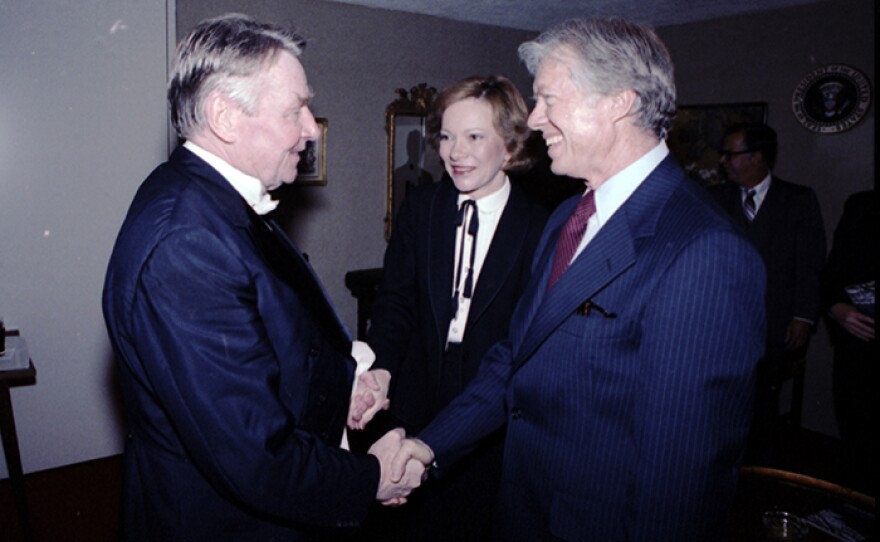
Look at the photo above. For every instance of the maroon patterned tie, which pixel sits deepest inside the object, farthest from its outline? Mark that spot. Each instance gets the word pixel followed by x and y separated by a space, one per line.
pixel 571 236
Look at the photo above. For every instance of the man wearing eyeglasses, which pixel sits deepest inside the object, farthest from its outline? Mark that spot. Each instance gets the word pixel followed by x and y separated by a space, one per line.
pixel 784 222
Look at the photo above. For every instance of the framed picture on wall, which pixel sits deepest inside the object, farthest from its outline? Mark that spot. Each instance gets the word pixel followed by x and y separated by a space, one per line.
pixel 411 160
pixel 312 167
pixel 697 133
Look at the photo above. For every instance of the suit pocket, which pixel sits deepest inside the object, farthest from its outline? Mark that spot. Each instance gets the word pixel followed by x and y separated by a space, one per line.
pixel 600 320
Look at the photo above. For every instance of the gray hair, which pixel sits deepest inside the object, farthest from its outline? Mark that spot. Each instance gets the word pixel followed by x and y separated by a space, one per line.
pixel 223 54
pixel 612 55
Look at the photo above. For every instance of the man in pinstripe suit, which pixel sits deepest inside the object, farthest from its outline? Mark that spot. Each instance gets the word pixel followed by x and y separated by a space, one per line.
pixel 626 383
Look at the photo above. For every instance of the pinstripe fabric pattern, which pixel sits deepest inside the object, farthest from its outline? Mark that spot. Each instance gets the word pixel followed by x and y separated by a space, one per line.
pixel 632 427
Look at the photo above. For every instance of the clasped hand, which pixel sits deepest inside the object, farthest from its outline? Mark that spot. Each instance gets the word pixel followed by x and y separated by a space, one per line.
pixel 369 397
pixel 403 463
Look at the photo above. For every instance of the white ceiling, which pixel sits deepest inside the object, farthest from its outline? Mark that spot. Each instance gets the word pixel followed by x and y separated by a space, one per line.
pixel 540 14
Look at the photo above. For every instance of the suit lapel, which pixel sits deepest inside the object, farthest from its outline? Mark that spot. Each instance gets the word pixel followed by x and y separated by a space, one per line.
pixel 288 263
pixel 731 202
pixel 285 260
pixel 502 256
pixel 215 186
pixel 441 255
pixel 607 258
pixel 772 206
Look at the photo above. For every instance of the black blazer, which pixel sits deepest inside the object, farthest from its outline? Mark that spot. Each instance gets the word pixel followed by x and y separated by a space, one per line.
pixel 790 236
pixel 412 310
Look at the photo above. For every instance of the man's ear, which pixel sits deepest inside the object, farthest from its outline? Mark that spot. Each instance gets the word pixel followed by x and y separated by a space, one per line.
pixel 220 115
pixel 622 103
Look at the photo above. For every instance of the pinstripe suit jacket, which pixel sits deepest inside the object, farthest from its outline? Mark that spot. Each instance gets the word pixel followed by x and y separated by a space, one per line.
pixel 628 427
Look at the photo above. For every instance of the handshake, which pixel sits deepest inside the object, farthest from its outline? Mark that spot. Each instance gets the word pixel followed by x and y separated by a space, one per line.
pixel 404 466
pixel 403 461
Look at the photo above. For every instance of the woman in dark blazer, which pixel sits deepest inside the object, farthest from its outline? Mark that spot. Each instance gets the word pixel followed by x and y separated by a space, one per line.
pixel 443 302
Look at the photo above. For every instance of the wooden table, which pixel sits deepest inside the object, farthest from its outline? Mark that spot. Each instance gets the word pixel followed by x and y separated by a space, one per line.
pixel 9 379
pixel 763 489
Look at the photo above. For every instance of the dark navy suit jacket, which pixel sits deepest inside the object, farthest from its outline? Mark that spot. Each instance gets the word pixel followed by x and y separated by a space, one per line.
pixel 790 236
pixel 626 421
pixel 234 368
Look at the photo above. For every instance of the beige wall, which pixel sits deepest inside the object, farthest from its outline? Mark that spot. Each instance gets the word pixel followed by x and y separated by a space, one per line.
pixel 82 121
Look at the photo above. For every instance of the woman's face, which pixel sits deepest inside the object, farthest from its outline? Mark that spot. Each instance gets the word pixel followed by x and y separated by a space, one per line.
pixel 472 149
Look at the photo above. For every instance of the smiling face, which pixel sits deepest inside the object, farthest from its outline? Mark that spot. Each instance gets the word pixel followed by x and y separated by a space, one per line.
pixel 576 125
pixel 269 140
pixel 472 150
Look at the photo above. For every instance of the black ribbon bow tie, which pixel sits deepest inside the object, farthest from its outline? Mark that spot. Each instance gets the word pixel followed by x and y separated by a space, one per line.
pixel 473 226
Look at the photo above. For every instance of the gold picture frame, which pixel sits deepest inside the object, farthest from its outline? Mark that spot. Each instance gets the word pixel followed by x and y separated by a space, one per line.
pixel 312 167
pixel 410 157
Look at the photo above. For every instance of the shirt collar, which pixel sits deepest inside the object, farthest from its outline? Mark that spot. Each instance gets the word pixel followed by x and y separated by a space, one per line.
pixel 250 188
pixel 761 188
pixel 493 202
pixel 616 190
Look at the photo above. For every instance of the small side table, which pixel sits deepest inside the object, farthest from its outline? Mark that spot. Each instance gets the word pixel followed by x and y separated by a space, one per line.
pixel 9 379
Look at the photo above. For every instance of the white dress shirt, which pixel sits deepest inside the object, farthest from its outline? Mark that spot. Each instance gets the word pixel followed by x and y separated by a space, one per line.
pixel 490 209
pixel 615 191
pixel 251 189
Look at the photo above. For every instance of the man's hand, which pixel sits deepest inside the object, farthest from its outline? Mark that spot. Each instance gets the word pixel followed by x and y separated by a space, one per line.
pixel 796 334
pixel 370 396
pixel 857 323
pixel 396 485
pixel 411 450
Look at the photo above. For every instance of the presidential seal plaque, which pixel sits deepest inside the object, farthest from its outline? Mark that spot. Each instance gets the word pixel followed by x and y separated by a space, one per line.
pixel 831 99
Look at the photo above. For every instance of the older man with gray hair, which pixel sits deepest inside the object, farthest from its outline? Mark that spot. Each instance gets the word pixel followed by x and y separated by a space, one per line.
pixel 626 384
pixel 235 371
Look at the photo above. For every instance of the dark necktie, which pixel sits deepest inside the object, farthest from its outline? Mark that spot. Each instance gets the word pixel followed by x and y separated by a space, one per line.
pixel 749 206
pixel 472 225
pixel 571 236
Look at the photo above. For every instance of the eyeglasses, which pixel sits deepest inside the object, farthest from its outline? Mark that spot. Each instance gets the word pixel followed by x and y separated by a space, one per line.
pixel 728 154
